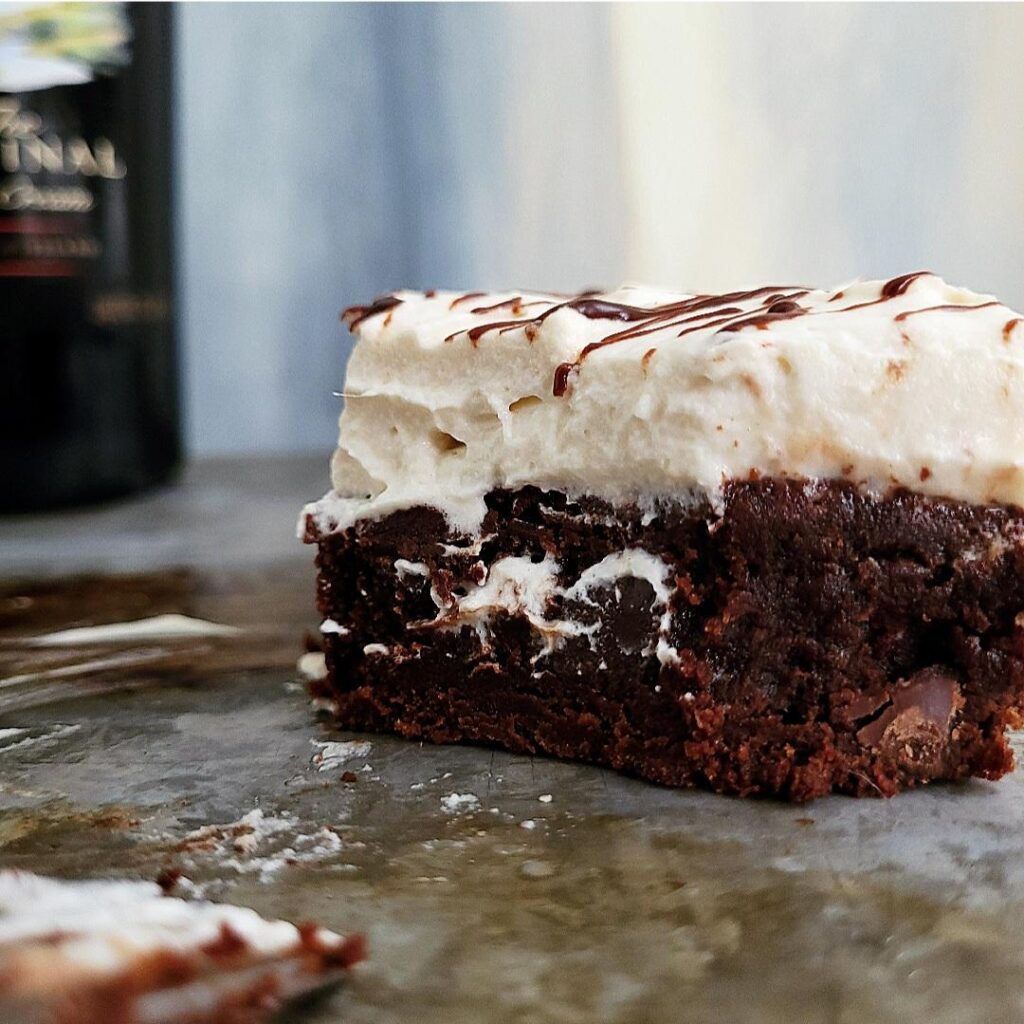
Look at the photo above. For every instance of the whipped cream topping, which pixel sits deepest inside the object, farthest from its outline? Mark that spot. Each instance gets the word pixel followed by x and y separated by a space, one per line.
pixel 640 394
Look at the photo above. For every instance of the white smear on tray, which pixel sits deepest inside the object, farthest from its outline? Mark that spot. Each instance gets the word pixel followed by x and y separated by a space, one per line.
pixel 81 668
pixel 258 844
pixel 334 754
pixel 49 734
pixel 158 627
pixel 453 803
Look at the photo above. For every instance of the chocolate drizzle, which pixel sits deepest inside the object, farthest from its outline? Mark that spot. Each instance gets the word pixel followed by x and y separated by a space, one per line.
pixel 476 333
pixel 900 317
pixel 777 311
pixel 355 315
pixel 699 313
pixel 459 300
pixel 898 285
pixel 561 383
pixel 601 309
pixel 890 290
pixel 515 306
pixel 786 306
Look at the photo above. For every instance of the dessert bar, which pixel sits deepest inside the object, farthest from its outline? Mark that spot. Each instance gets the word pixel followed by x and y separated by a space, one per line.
pixel 767 541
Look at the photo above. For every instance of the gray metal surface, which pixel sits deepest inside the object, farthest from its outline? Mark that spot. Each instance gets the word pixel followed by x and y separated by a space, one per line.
pixel 560 894
pixel 613 901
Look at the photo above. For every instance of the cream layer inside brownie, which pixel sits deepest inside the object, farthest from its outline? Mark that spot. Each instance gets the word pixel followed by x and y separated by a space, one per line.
pixel 639 395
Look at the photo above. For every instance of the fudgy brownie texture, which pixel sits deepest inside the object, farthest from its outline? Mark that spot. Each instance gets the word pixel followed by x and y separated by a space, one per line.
pixel 824 639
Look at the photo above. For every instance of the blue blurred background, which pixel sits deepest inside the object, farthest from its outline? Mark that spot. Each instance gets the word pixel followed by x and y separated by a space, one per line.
pixel 330 153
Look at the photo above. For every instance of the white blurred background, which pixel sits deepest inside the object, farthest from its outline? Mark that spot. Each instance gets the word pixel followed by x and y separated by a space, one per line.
pixel 330 153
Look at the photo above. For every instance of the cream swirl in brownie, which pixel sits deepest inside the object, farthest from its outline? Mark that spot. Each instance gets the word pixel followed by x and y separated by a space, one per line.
pixel 643 394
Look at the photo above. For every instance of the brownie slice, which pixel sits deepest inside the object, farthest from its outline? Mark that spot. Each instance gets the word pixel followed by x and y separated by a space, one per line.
pixel 802 638
pixel 762 541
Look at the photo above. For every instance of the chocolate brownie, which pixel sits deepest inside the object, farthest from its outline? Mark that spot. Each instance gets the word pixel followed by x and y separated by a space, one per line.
pixel 774 566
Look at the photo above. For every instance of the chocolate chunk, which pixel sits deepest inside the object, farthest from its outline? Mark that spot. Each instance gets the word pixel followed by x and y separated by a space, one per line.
pixel 865 705
pixel 915 729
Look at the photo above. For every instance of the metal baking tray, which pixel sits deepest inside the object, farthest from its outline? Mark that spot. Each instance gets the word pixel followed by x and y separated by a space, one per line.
pixel 491 887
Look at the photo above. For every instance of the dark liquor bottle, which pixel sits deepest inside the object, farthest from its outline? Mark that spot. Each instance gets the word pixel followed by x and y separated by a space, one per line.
pixel 88 385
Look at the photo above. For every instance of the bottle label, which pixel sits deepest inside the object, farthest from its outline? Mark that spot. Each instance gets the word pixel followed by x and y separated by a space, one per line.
pixel 59 167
